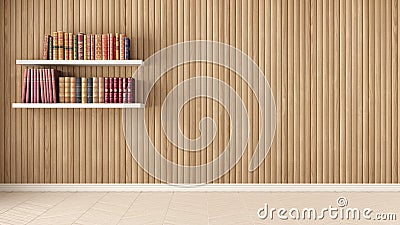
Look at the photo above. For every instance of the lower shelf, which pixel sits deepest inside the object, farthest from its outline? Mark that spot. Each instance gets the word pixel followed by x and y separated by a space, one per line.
pixel 77 105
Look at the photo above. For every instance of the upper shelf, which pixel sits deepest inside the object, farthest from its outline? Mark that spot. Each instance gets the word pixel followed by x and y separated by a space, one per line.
pixel 80 62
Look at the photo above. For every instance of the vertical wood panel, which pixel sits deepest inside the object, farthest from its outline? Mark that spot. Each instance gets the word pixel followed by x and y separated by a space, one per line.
pixel 332 66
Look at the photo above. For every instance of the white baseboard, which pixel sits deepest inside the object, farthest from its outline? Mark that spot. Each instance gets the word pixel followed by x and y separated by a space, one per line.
pixel 202 188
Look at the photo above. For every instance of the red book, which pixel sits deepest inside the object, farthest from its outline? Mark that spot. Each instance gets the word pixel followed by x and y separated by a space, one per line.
pixel 45 47
pixel 48 89
pixel 80 47
pixel 111 90
pixel 45 92
pixel 104 44
pixel 124 90
pixel 35 87
pixel 41 88
pixel 120 90
pixel 23 97
pixel 115 90
pixel 131 90
pixel 106 90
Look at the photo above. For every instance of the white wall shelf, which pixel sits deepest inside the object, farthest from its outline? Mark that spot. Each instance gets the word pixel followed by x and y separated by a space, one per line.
pixel 80 62
pixel 77 105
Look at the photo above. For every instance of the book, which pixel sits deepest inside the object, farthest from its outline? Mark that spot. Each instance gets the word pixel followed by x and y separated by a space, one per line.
pixel 28 86
pixel 55 45
pixel 110 46
pixel 101 90
pixel 124 90
pixel 53 84
pixel 78 90
pixel 120 90
pixel 95 90
pixel 122 46
pixel 104 44
pixel 110 90
pixel 50 48
pixel 115 85
pixel 117 46
pixel 75 46
pixel 90 89
pixel 80 46
pixel 72 92
pixel 24 84
pixel 41 87
pixel 92 47
pixel 127 50
pixel 106 90
pixel 66 48
pixel 60 45
pixel 70 46
pixel 131 90
pixel 48 92
pixel 67 90
pixel 61 89
pixel 98 48
pixel 45 54
pixel 84 89
pixel 85 46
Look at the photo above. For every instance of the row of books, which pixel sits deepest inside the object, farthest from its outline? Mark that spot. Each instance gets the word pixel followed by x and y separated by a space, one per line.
pixel 39 86
pixel 67 46
pixel 96 90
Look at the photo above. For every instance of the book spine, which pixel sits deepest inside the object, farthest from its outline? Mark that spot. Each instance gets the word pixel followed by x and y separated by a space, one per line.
pixel 106 90
pixel 60 45
pixel 90 90
pixel 80 46
pixel 109 46
pixel 122 46
pixel 72 92
pixel 28 86
pixel 120 90
pixel 55 46
pixel 85 46
pixel 131 90
pixel 104 44
pixel 47 88
pixel 41 88
pixel 98 50
pixel 61 89
pixel 101 90
pixel 110 90
pixel 45 54
pixel 67 90
pixel 70 46
pixel 127 48
pixel 50 48
pixel 66 41
pixel 117 46
pixel 84 90
pixel 36 85
pixel 24 85
pixel 93 47
pixel 124 90
pixel 95 90
pixel 75 46
pixel 53 85
pixel 116 95
pixel 78 90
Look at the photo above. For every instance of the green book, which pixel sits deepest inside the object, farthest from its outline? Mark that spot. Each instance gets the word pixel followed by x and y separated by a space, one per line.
pixel 75 46
pixel 50 56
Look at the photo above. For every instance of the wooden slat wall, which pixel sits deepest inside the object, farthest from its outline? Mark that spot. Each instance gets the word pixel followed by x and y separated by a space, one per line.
pixel 332 66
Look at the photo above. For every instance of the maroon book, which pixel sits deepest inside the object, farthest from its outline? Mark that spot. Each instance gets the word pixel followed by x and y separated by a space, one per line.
pixel 131 90
pixel 28 86
pixel 111 90
pixel 35 85
pixel 120 90
pixel 115 90
pixel 124 90
pixel 106 90
pixel 41 87
pixel 80 46
pixel 24 84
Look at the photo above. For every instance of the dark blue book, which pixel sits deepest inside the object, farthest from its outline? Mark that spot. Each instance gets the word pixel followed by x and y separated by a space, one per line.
pixel 127 46
pixel 90 90
pixel 78 88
